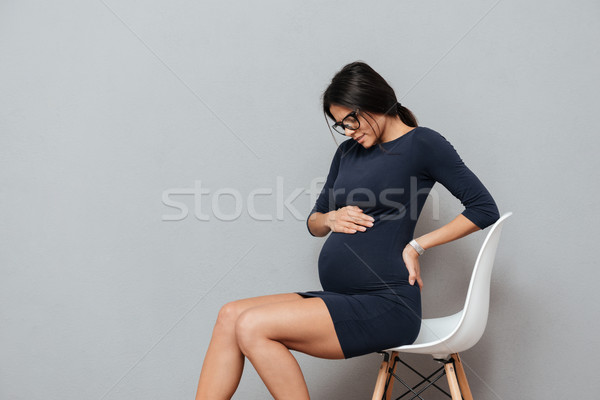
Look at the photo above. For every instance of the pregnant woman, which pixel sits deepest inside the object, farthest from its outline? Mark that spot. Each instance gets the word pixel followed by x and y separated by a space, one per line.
pixel 368 267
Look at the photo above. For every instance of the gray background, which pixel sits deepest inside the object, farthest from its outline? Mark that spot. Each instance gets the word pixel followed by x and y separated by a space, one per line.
pixel 107 105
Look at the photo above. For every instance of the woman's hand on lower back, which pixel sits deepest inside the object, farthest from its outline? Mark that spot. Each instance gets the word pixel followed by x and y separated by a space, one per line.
pixel 411 260
pixel 349 219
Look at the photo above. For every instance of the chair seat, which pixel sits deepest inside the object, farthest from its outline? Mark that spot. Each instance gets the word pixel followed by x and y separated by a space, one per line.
pixel 432 336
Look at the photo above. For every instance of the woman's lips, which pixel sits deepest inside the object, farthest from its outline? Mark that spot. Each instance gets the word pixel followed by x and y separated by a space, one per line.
pixel 360 138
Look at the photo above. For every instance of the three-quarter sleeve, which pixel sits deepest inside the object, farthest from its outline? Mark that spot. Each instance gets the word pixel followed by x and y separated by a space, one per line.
pixel 444 165
pixel 326 202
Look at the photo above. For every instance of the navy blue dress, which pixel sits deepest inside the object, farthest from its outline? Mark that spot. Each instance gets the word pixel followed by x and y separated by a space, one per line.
pixel 364 278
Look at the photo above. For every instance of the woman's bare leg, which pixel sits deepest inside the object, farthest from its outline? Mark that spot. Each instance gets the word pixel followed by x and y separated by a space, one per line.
pixel 265 334
pixel 224 362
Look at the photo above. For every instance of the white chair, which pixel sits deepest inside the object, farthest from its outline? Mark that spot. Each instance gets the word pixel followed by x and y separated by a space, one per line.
pixel 445 337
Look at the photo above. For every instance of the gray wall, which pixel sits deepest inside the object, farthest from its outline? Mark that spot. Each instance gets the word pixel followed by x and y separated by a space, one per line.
pixel 106 106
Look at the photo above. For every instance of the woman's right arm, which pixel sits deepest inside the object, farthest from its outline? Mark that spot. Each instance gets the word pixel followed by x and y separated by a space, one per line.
pixel 317 218
pixel 325 218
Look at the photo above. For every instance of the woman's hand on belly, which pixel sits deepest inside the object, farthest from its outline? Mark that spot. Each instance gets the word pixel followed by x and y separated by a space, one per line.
pixel 349 219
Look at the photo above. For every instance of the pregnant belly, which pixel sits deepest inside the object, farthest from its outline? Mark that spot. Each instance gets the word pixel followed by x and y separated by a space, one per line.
pixel 363 261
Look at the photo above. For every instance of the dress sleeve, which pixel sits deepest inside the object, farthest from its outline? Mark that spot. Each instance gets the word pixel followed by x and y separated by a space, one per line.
pixel 444 165
pixel 326 201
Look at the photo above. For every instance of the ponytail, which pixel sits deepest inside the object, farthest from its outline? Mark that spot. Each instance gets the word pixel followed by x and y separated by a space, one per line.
pixel 406 115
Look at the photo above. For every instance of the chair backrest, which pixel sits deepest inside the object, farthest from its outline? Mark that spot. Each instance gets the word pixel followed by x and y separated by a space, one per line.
pixel 475 313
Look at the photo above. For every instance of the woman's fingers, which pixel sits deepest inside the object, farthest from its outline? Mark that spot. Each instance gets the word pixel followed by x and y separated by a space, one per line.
pixel 413 267
pixel 351 219
pixel 360 220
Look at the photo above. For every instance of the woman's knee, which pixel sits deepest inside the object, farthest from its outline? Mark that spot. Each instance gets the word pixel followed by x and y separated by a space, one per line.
pixel 228 315
pixel 247 330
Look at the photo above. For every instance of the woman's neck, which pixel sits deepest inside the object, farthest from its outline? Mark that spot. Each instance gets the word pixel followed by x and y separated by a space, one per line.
pixel 394 128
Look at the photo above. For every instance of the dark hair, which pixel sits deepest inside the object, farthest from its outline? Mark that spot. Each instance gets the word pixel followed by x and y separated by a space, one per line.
pixel 357 85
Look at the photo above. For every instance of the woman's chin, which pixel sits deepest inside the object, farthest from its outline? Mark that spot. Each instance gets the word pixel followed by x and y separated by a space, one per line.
pixel 366 143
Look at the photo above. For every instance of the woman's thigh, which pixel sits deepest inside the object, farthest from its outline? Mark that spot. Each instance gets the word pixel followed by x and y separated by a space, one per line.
pixel 303 325
pixel 237 307
pixel 229 313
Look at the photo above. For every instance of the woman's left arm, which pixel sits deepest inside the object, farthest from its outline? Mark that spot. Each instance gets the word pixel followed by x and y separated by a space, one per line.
pixel 459 227
pixel 442 163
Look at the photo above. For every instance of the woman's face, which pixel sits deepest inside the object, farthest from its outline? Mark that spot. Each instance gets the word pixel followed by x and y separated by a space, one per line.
pixel 365 134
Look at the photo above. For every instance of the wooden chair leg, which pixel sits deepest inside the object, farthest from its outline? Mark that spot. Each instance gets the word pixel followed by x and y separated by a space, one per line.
pixel 462 378
pixel 452 382
pixel 393 365
pixel 381 379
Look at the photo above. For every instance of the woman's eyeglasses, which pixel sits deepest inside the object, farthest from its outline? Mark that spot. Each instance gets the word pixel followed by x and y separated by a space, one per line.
pixel 350 122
